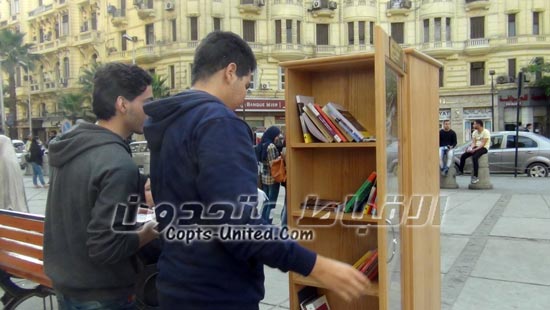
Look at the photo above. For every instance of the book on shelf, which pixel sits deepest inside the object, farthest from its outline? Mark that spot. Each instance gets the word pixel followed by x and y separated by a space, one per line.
pixel 371 200
pixel 368 264
pixel 309 299
pixel 310 111
pixel 331 127
pixel 316 204
pixel 340 114
pixel 300 107
pixel 356 203
pixel 340 125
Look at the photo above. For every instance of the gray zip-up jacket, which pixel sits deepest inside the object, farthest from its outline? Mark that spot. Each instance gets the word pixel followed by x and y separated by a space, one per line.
pixel 91 172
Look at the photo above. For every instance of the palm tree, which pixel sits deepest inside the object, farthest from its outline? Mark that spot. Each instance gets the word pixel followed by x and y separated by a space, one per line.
pixel 73 106
pixel 13 52
pixel 160 90
pixel 86 80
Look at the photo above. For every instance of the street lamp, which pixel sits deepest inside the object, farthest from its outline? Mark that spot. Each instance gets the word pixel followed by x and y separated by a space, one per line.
pixel 133 40
pixel 29 107
pixel 492 74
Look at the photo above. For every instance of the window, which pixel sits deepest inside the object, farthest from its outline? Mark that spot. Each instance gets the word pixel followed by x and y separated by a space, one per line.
pixel 536 23
pixel 249 30
pixel 193 28
pixel 496 142
pixel 298 32
pixel 123 42
pixel 40 2
pixel 511 25
pixel 174 26
pixel 65 25
pixel 253 80
pixel 522 142
pixel 122 8
pixel 56 30
pixel 15 7
pixel 278 35
pixel 66 68
pixel 41 35
pixel 172 70
pixel 477 73
pixel 322 34
pixel 94 20
pixel 448 29
pixel 512 67
pixel 217 24
pixel 477 27
pixel 362 32
pixel 150 34
pixel 426 30
pixel 371 32
pixel 397 32
pixel 441 77
pixel 350 33
pixel 437 27
pixel 281 78
pixel 150 4
pixel 288 31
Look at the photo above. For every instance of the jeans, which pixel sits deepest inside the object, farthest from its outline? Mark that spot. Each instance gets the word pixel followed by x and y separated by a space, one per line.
pixel 475 157
pixel 37 173
pixel 272 192
pixel 444 151
pixel 67 303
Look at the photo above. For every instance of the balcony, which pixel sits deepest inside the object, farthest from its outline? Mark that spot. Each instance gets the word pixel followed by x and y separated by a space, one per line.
pixel 3 23
pixel 144 11
pixel 324 50
pixel 148 54
pixel 398 7
pixel 323 8
pixel 361 48
pixel 39 10
pixel 521 43
pixel 284 8
pixel 86 38
pixel 257 48
pixel 119 18
pixel 251 6
pixel 477 5
pixel 44 47
pixel 476 46
pixel 284 52
pixel 442 48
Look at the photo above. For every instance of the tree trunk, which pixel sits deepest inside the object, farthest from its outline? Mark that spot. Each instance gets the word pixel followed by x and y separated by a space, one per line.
pixel 12 104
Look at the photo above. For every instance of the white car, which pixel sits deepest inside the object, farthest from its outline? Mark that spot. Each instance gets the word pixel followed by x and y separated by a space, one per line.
pixel 20 151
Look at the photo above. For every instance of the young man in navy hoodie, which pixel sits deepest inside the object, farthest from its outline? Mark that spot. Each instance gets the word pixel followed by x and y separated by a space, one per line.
pixel 202 157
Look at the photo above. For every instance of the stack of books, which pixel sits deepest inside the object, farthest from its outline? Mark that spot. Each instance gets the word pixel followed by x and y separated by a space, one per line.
pixel 309 299
pixel 331 123
pixel 364 199
pixel 368 264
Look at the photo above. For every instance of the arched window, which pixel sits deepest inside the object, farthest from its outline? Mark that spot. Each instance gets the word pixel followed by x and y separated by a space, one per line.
pixel 66 68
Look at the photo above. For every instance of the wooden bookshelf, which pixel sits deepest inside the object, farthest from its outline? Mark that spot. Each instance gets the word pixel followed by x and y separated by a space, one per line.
pixel 394 95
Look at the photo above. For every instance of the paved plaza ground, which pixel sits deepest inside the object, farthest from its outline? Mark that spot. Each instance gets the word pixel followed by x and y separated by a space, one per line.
pixel 495 246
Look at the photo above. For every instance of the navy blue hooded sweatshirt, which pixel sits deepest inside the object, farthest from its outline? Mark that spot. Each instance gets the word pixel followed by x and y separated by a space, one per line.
pixel 202 152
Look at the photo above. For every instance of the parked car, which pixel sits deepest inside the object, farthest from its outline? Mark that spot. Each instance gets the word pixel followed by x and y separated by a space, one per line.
pixel 141 155
pixel 20 151
pixel 533 153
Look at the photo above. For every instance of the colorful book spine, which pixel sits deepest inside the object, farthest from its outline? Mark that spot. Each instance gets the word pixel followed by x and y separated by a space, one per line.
pixel 338 125
pixel 348 119
pixel 361 194
pixel 323 122
pixel 329 122
pixel 333 112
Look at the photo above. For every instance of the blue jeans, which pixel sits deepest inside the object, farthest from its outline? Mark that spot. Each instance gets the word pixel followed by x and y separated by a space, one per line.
pixel 272 192
pixel 66 303
pixel 37 172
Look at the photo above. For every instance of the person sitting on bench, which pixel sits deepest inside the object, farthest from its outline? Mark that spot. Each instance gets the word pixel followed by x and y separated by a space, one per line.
pixel 447 144
pixel 481 140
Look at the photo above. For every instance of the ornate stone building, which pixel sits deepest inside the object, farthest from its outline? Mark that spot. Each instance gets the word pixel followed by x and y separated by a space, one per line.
pixel 470 37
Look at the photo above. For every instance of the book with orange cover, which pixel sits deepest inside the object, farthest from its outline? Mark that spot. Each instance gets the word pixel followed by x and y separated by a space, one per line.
pixel 370 262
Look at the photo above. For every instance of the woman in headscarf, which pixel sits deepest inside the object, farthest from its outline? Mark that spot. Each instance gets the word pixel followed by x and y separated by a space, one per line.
pixel 37 157
pixel 12 191
pixel 269 152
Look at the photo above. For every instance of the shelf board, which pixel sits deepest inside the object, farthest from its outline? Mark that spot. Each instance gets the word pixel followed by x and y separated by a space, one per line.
pixel 333 145
pixel 371 290
pixel 327 215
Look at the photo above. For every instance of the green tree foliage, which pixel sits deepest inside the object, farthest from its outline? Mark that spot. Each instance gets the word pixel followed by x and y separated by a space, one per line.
pixel 14 53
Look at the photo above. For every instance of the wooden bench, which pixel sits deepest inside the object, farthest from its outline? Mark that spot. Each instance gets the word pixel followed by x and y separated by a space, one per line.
pixel 21 239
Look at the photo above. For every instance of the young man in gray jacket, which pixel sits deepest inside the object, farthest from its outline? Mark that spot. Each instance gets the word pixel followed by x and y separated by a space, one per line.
pixel 90 263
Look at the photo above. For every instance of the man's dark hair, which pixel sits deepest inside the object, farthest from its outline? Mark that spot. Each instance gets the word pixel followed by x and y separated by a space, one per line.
pixel 217 51
pixel 479 122
pixel 446 121
pixel 117 79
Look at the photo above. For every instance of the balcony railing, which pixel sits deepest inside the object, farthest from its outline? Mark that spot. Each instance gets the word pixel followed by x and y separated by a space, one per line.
pixel 192 44
pixel 477 42
pixel 324 49
pixel 41 9
pixel 472 1
pixel 399 4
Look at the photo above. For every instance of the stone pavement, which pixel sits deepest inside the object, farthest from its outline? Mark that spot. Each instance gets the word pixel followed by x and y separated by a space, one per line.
pixel 494 245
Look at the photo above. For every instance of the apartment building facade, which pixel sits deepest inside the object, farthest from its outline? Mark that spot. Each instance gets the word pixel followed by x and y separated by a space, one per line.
pixel 472 38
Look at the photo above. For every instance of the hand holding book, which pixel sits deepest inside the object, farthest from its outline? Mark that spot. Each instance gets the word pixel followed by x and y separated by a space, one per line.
pixel 346 281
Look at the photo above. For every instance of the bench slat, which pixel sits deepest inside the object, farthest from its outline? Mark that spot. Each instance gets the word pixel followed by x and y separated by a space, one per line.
pixel 21 248
pixel 24 269
pixel 21 235
pixel 22 223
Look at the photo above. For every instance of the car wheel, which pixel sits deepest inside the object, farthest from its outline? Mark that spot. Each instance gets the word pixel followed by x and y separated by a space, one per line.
pixel 537 170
